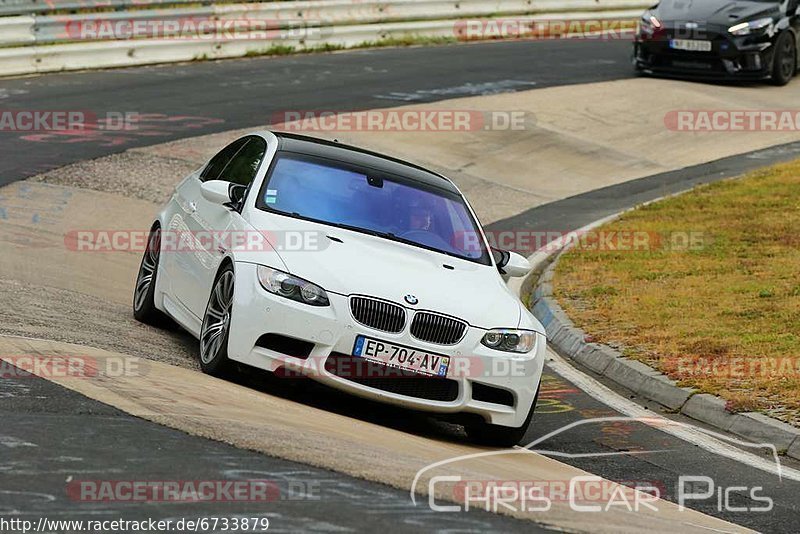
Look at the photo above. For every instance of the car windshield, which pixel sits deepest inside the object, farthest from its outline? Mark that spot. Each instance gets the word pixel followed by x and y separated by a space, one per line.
pixel 372 202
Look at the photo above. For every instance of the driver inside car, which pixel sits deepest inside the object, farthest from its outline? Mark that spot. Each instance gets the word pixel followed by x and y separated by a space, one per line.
pixel 420 219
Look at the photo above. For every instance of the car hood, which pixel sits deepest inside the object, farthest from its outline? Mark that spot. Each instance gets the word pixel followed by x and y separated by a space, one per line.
pixel 356 263
pixel 722 13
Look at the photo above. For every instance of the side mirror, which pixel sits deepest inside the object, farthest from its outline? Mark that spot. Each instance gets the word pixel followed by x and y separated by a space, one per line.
pixel 513 264
pixel 216 191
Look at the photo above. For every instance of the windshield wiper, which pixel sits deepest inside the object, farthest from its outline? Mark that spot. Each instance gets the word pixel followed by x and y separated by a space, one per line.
pixel 376 233
pixel 394 237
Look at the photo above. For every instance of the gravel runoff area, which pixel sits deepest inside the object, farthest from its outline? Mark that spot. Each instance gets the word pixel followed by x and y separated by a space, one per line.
pixel 73 316
pixel 132 174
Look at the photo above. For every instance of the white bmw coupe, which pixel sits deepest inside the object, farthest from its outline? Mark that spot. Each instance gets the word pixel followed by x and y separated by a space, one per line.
pixel 369 274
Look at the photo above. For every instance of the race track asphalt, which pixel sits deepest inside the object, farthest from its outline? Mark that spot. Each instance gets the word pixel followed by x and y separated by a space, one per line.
pixel 197 98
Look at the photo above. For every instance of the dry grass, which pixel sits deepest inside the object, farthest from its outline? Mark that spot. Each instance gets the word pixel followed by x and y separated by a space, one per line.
pixel 722 316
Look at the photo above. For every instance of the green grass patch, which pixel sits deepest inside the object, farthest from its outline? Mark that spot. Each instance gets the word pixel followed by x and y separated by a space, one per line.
pixel 282 50
pixel 719 311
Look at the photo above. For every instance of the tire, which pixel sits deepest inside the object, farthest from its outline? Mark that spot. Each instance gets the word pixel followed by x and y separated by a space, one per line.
pixel 217 324
pixel 144 306
pixel 637 69
pixel 501 436
pixel 784 62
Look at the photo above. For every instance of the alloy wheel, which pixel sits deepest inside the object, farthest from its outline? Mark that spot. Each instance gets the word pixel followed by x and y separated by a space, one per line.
pixel 788 61
pixel 147 270
pixel 218 318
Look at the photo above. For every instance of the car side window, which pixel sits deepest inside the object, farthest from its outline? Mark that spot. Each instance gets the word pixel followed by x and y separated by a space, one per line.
pixel 221 160
pixel 242 168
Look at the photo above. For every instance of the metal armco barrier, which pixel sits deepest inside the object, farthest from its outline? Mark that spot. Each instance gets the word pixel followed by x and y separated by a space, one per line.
pixel 30 7
pixel 121 37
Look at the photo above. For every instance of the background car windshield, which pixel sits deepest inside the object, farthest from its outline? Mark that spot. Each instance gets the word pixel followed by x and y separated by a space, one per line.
pixel 321 191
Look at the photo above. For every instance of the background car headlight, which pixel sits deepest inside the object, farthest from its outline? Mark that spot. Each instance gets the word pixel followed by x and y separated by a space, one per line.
pixel 291 287
pixel 746 28
pixel 649 23
pixel 510 340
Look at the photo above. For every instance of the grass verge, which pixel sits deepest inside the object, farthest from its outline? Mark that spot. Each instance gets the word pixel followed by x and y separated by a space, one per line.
pixel 284 50
pixel 704 286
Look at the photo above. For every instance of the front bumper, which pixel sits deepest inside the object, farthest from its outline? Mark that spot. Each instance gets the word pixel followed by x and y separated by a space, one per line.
pixel 496 386
pixel 730 58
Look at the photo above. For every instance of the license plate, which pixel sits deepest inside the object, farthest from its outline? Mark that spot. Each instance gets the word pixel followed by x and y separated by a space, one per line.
pixel 692 45
pixel 401 357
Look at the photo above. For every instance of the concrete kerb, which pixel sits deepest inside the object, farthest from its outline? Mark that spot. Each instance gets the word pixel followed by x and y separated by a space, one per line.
pixel 794 448
pixel 572 343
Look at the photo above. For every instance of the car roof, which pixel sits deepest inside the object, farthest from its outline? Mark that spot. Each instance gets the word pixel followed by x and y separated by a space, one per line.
pixel 313 146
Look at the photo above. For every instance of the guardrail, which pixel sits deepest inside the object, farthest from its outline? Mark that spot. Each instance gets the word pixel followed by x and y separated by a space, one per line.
pixel 16 30
pixel 30 7
pixel 43 43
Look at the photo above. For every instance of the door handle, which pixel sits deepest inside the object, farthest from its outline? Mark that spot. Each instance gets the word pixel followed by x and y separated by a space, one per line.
pixel 192 207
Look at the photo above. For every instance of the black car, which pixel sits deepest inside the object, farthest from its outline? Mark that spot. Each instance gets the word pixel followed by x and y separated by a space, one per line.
pixel 740 39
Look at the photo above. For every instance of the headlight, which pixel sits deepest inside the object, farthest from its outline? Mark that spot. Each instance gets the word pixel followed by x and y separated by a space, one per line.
pixel 291 287
pixel 509 340
pixel 649 23
pixel 746 28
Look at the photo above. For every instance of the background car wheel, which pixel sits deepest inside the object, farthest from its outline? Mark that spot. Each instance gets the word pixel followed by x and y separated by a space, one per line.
pixel 144 307
pixel 217 324
pixel 784 64
pixel 501 436
pixel 637 68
